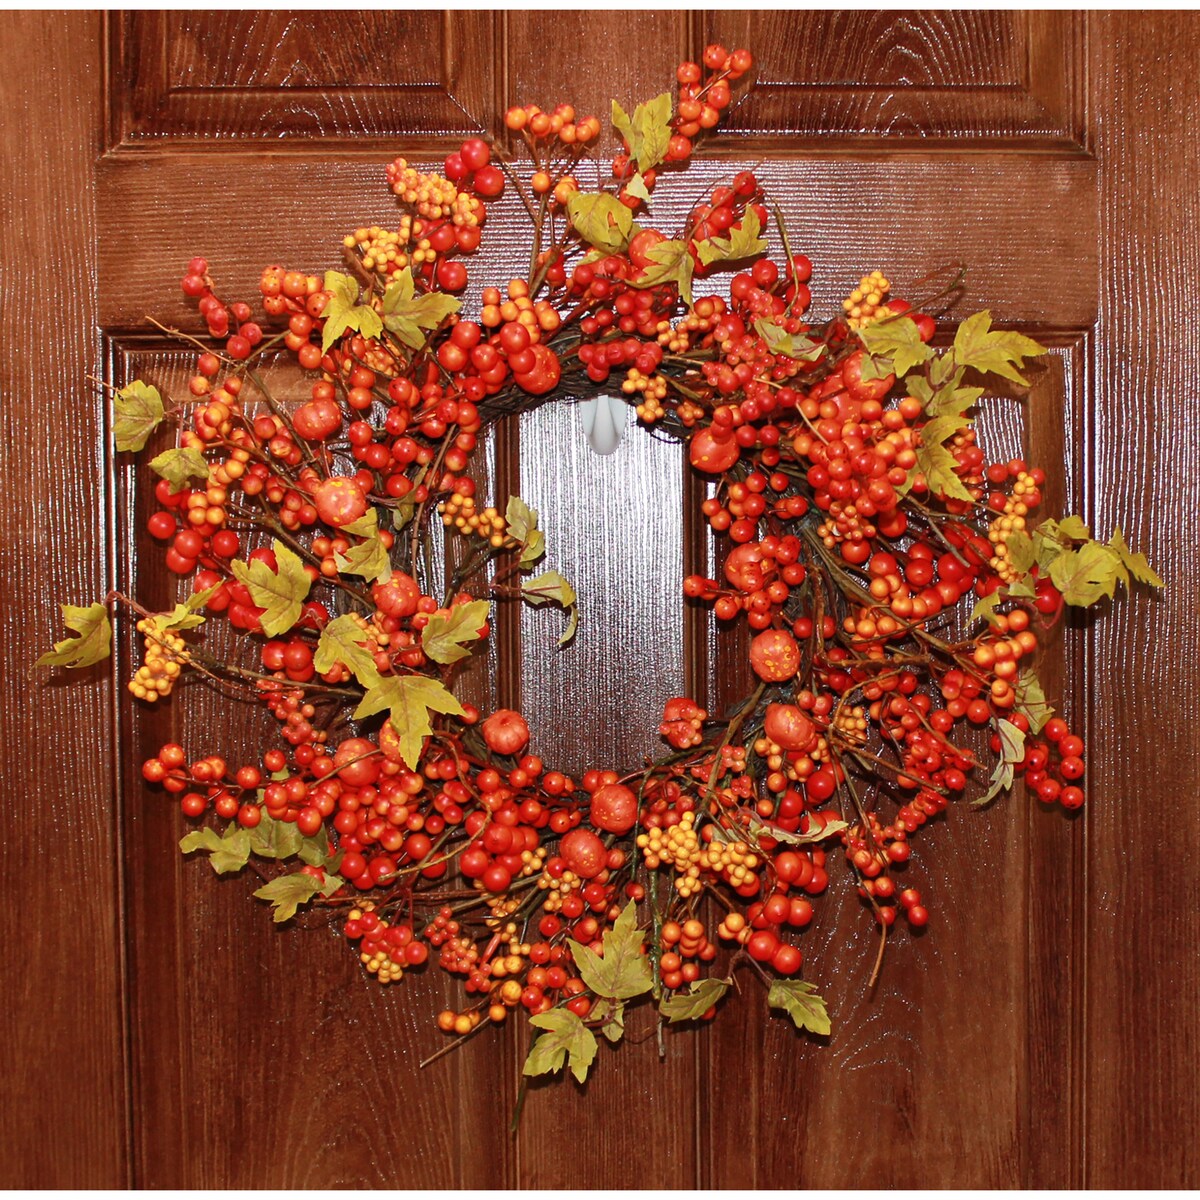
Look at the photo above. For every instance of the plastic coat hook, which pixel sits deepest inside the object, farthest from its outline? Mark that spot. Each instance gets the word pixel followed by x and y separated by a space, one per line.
pixel 604 421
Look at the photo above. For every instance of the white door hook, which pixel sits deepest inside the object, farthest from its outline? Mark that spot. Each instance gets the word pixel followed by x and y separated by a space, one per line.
pixel 604 421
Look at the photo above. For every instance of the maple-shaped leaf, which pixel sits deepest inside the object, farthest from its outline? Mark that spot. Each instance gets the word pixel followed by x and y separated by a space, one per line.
pixel 946 399
pixel 611 1016
pixel 670 262
pixel 287 892
pixel 801 1002
pixel 601 220
pixel 623 971
pixel 897 340
pixel 796 346
pixel 280 594
pixel 137 412
pixel 275 839
pixel 696 1001
pixel 92 644
pixel 344 312
pixel 1073 528
pixel 743 242
pixel 341 641
pixel 1087 574
pixel 368 559
pixel 228 852
pixel 447 635
pixel 521 525
pixel 990 351
pixel 409 699
pixel 653 120
pixel 179 465
pixel 567 1041
pixel 937 464
pixel 1135 563
pixel 185 615
pixel 648 132
pixel 551 588
pixel 986 608
pixel 1031 700
pixel 1022 553
pixel 637 187
pixel 412 317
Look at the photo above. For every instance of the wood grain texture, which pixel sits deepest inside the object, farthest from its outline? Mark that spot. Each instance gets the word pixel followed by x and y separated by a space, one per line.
pixel 61 1012
pixel 907 76
pixel 268 76
pixel 945 1064
pixel 1143 981
pixel 225 1007
pixel 848 215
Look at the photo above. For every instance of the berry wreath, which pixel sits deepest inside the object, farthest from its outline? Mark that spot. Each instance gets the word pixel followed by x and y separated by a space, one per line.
pixel 894 582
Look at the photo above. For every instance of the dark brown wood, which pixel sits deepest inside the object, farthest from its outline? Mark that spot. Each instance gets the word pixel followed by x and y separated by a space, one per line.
pixel 266 76
pixel 62 1091
pixel 1040 1034
pixel 901 77
pixel 1143 972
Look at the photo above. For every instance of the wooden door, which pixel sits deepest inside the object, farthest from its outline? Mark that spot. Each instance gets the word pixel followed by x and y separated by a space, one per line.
pixel 160 1033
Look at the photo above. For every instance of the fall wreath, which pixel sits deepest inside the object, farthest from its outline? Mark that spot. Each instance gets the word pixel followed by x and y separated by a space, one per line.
pixel 895 584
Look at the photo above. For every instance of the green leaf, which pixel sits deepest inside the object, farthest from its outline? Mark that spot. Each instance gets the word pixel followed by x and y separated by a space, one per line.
pixel 625 127
pixel 185 615
pixel 412 317
pixel 789 345
pixel 947 398
pixel 1073 527
pixel 1021 588
pixel 611 1015
pixel 898 340
pixel 1085 575
pixel 368 558
pixel 1012 741
pixel 653 121
pixel 230 851
pixel 344 312
pixel 801 1002
pixel 93 643
pixel 521 523
pixel 409 699
pixel 1012 751
pixel 287 892
pixel 446 636
pixel 1135 563
pixel 275 839
pixel 1021 553
pixel 1031 700
pixel 1001 780
pixel 942 428
pixel 551 588
pixel 281 594
pixel 937 464
pixel 743 242
pixel 177 466
pixel 986 608
pixel 137 413
pixel 995 352
pixel 567 1040
pixel 760 828
pixel 624 971
pixel 696 1001
pixel 341 641
pixel 671 262
pixel 637 187
pixel 601 220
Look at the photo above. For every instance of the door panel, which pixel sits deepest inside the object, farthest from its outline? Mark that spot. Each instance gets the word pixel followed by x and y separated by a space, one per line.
pixel 1041 1033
